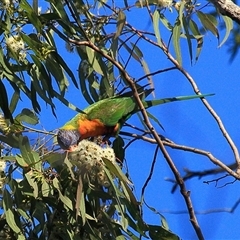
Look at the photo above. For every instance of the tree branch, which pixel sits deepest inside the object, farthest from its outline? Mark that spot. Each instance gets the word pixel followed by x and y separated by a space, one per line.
pixel 183 190
pixel 228 8
pixel 197 91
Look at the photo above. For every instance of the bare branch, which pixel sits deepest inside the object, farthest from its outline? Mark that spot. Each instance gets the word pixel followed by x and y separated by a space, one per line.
pixel 218 210
pixel 228 8
pixel 197 91
pixel 170 143
pixel 150 173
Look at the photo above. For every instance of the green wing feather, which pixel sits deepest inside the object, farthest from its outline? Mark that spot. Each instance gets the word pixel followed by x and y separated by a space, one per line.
pixel 111 111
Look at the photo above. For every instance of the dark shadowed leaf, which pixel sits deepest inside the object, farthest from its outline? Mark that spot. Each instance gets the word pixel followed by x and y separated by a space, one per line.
pixel 196 33
pixel 27 116
pixel 31 14
pixel 208 23
pixel 4 102
pixel 26 150
pixel 11 215
pixel 14 100
pixel 158 232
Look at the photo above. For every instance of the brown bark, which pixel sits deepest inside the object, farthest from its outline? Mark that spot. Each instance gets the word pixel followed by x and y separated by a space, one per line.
pixel 228 8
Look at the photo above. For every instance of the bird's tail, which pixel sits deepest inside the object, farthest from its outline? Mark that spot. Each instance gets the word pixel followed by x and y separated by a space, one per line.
pixel 150 103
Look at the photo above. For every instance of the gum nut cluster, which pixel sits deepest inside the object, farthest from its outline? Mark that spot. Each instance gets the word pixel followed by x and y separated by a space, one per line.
pixel 2 174
pixel 3 124
pixel 16 45
pixel 165 3
pixel 91 155
pixel 5 4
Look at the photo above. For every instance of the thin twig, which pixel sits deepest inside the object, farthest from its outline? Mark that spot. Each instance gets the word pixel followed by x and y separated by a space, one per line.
pixel 218 210
pixel 197 91
pixel 154 73
pixel 132 85
pixel 170 143
pixel 150 173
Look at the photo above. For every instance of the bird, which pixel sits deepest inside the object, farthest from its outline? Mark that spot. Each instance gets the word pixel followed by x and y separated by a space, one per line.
pixel 105 118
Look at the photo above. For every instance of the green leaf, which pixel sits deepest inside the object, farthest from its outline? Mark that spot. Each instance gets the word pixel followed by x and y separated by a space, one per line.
pixel 14 100
pixel 33 98
pixel 116 171
pixel 180 12
pixel 156 17
pixel 66 102
pixel 37 79
pixel 20 160
pixel 54 159
pixel 23 213
pixel 119 151
pixel 56 70
pixel 121 19
pixel 32 15
pixel 60 60
pixel 196 33
pixel 38 213
pixel 94 61
pixel 229 26
pixel 147 72
pixel 46 189
pixel 143 3
pixel 188 36
pixel 27 116
pixel 32 183
pixel 208 23
pixel 66 201
pixel 158 232
pixel 58 7
pixel 137 50
pixel 10 214
pixel 130 51
pixel 155 119
pixel 80 201
pixel 176 41
pixel 26 150
pixel 83 74
pixel 165 22
pixel 44 77
pixel 106 89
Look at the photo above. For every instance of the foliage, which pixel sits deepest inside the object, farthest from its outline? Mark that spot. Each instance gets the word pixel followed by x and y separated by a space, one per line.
pixel 54 198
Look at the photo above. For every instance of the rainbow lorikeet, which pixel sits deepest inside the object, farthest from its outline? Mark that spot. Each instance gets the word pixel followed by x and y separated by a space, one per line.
pixel 104 117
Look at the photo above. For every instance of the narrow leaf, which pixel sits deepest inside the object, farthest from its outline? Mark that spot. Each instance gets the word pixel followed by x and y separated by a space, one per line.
pixel 93 61
pixel 196 33
pixel 8 211
pixel 26 150
pixel 229 26
pixel 176 41
pixel 4 102
pixel 184 22
pixel 156 17
pixel 208 23
pixel 120 23
pixel 147 72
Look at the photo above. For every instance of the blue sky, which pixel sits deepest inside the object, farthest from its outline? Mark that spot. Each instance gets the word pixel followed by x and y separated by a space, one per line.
pixel 186 123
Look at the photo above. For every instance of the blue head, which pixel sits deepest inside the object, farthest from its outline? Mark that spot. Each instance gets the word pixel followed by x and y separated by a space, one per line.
pixel 68 138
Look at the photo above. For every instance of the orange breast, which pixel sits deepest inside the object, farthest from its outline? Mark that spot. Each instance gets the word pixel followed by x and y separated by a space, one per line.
pixel 94 128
